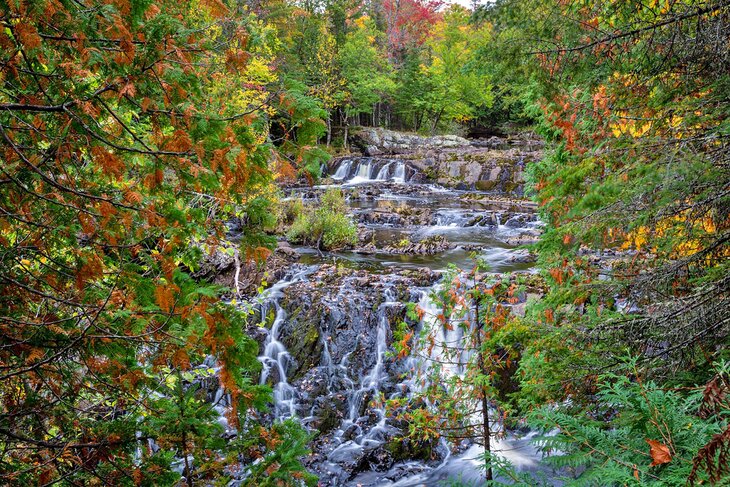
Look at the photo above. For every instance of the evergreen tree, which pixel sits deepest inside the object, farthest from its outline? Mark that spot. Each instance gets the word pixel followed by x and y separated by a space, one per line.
pixel 127 141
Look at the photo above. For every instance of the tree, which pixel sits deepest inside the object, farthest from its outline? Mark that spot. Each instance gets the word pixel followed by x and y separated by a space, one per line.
pixel 117 167
pixel 637 167
pixel 639 433
pixel 461 357
pixel 368 75
pixel 457 85
pixel 407 23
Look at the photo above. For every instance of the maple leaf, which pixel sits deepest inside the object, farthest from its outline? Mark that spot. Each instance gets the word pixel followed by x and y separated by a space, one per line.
pixel 659 453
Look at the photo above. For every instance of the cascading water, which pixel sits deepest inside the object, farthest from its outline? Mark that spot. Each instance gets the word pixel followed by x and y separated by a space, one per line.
pixel 369 388
pixel 452 354
pixel 400 173
pixel 384 172
pixel 343 170
pixel 369 169
pixel 275 356
pixel 337 383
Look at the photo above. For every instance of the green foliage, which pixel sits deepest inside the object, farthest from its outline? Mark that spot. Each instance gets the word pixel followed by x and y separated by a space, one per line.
pixel 326 225
pixel 456 85
pixel 299 116
pixel 368 75
pixel 609 443
pixel 278 450
pixel 131 132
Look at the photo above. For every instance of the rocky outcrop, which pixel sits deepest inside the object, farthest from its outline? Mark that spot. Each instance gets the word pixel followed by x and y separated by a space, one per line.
pixel 377 141
pixel 225 265
pixel 332 316
pixel 427 246
pixel 476 168
pixel 495 164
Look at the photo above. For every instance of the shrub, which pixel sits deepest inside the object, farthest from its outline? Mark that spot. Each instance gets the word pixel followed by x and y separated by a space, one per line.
pixel 288 212
pixel 326 225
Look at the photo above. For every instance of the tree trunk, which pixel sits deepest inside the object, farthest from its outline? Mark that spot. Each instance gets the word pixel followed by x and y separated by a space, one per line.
pixel 329 129
pixel 485 402
pixel 436 121
pixel 347 126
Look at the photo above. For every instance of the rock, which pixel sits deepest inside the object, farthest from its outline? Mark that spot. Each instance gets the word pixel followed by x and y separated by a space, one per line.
pixel 485 185
pixel 377 141
pixel 428 246
pixel 520 220
pixel 218 264
pixel 284 248
pixel 523 239
pixel 328 412
pixel 519 308
pixel 522 256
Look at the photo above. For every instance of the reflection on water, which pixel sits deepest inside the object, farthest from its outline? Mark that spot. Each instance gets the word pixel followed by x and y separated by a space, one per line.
pixel 499 259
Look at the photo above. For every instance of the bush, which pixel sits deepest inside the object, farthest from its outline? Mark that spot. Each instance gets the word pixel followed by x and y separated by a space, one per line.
pixel 638 433
pixel 288 212
pixel 326 226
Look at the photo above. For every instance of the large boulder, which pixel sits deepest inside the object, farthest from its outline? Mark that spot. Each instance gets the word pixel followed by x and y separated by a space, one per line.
pixel 374 141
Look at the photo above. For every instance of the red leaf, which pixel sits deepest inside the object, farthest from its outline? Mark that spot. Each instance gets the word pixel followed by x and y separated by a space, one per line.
pixel 659 453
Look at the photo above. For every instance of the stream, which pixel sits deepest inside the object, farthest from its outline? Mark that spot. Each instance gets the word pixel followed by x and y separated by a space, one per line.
pixel 327 344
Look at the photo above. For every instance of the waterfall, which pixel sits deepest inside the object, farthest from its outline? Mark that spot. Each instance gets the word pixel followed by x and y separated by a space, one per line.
pixel 368 390
pixel 369 169
pixel 363 170
pixel 383 173
pixel 275 356
pixel 399 176
pixel 343 170
pixel 370 383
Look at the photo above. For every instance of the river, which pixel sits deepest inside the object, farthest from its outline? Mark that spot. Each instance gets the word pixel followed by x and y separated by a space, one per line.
pixel 327 350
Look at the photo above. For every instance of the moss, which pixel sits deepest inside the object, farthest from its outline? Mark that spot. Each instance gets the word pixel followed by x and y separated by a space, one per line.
pixel 485 185
pixel 402 449
pixel 303 341
pixel 329 420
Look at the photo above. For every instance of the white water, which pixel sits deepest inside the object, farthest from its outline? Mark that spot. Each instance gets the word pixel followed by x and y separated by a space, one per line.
pixel 361 390
pixel 275 355
pixel 365 171
pixel 369 389
pixel 343 170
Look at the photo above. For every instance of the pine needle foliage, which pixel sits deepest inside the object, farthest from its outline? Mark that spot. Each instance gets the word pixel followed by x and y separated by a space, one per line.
pixel 130 131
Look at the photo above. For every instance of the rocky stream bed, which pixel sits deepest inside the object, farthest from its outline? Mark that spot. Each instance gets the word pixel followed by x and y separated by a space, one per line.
pixel 330 316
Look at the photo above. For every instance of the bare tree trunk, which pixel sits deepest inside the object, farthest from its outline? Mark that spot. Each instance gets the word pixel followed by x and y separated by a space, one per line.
pixel 329 129
pixel 237 261
pixel 436 121
pixel 485 401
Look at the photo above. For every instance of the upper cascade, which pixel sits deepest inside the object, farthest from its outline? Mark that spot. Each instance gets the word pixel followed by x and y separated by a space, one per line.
pixel 353 170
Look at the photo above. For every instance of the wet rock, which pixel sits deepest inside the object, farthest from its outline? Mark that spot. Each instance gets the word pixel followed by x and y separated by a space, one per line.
pixel 522 256
pixel 522 239
pixel 285 249
pixel 520 220
pixel 401 449
pixel 428 246
pixel 300 334
pixel 227 266
pixel 328 412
